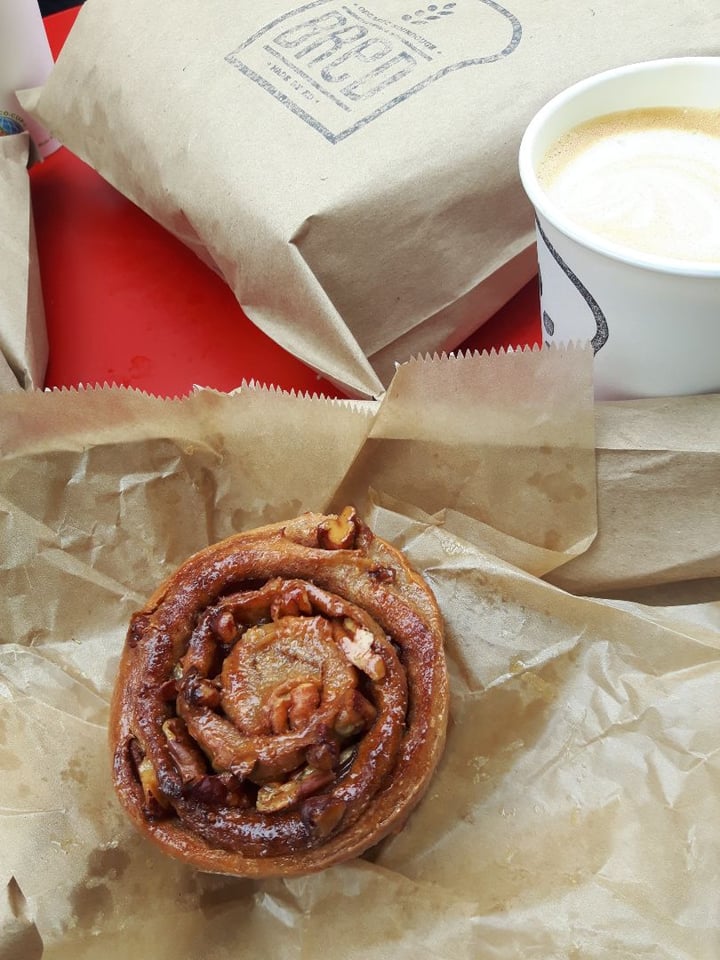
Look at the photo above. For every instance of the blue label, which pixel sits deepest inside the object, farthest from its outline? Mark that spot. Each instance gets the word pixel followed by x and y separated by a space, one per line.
pixel 339 66
pixel 10 124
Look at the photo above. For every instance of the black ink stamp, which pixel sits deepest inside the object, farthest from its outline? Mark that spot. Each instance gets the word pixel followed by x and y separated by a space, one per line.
pixel 340 65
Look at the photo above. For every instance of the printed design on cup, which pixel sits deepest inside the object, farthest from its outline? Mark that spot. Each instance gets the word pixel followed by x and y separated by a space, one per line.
pixel 600 338
pixel 547 320
pixel 10 124
pixel 339 66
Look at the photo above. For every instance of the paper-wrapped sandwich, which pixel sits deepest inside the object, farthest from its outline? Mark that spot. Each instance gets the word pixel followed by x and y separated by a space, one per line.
pixel 282 700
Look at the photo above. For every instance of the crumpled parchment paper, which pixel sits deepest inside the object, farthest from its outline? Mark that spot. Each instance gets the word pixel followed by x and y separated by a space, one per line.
pixel 576 811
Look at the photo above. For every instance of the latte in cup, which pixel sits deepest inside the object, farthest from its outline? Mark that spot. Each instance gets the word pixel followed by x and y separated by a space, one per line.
pixel 647 179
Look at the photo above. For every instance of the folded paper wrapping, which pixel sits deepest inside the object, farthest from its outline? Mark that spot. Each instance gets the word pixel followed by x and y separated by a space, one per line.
pixel 656 461
pixel 23 337
pixel 349 170
pixel 576 810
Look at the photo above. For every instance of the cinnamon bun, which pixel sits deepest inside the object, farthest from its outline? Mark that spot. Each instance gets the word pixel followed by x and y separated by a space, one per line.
pixel 282 699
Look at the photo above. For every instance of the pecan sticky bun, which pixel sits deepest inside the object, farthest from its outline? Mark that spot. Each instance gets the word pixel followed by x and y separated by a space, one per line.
pixel 282 699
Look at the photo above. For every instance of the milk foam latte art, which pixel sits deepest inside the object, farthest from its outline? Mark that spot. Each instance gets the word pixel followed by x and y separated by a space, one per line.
pixel 647 179
pixel 623 172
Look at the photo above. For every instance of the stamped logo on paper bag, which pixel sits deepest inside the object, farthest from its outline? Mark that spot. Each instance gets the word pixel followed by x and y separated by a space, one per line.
pixel 338 66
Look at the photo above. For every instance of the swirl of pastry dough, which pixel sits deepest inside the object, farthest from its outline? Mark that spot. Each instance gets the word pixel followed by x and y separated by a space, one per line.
pixel 281 701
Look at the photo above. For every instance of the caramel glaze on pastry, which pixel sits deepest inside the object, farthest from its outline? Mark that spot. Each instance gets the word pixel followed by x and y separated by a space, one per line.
pixel 282 700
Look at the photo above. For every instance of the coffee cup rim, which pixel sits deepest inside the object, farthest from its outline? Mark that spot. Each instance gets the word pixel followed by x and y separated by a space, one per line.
pixel 544 206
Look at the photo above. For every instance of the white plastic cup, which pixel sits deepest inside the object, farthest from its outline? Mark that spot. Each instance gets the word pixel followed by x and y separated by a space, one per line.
pixel 25 61
pixel 654 323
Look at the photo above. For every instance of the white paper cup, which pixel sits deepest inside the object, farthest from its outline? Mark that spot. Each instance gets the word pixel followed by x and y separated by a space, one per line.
pixel 25 61
pixel 654 323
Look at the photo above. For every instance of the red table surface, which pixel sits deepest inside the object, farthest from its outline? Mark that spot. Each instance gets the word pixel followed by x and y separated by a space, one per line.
pixel 127 303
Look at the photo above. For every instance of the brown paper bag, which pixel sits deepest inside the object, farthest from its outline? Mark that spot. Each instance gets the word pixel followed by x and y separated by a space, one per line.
pixel 657 460
pixel 575 813
pixel 350 170
pixel 23 337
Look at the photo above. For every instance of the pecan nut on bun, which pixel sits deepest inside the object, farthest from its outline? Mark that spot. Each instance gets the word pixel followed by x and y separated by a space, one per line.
pixel 282 700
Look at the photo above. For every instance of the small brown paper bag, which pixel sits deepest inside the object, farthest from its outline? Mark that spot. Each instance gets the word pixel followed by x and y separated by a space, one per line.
pixel 23 337
pixel 575 812
pixel 350 170
pixel 656 460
